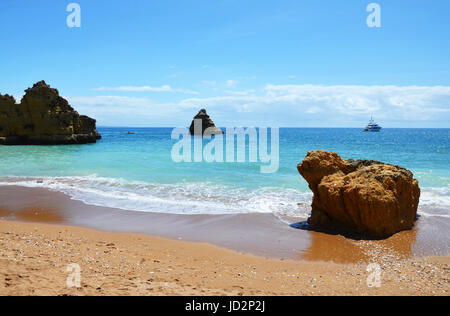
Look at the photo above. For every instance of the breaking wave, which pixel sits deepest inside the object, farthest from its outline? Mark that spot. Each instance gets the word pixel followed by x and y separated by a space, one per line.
pixel 180 198
pixel 200 198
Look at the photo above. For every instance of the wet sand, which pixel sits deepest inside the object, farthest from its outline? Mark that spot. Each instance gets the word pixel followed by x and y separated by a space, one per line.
pixel 258 234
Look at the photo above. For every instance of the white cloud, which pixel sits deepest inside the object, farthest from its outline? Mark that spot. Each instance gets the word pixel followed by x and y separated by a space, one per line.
pixel 164 88
pixel 244 92
pixel 285 105
pixel 316 105
pixel 407 102
pixel 126 111
pixel 231 83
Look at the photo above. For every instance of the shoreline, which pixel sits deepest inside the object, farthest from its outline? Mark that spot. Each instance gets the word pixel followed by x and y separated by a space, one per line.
pixel 263 235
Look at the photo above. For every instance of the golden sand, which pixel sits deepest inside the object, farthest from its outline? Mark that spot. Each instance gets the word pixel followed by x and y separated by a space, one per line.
pixel 34 260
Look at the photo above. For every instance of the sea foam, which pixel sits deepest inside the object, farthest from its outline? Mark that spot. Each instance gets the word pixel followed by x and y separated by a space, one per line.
pixel 200 197
pixel 181 198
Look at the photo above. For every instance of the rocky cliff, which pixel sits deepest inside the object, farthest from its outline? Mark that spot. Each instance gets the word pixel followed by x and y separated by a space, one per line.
pixel 43 118
pixel 207 126
pixel 369 198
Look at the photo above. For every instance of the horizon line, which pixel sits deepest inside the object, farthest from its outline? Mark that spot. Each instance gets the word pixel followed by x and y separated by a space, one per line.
pixel 281 127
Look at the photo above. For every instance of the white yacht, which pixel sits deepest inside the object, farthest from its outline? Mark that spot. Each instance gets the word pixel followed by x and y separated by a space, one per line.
pixel 372 126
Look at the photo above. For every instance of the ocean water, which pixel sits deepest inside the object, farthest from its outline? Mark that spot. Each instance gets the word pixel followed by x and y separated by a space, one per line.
pixel 137 173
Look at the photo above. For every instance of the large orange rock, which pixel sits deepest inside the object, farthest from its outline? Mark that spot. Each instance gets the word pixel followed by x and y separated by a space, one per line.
pixel 370 198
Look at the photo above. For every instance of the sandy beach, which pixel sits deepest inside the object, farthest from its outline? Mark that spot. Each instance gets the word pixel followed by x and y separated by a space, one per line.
pixel 34 260
pixel 39 241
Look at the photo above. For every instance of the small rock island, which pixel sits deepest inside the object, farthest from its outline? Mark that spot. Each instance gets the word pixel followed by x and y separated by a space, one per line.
pixel 207 125
pixel 43 117
pixel 364 197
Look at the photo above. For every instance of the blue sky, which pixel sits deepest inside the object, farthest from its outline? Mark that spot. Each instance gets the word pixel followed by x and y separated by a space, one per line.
pixel 253 63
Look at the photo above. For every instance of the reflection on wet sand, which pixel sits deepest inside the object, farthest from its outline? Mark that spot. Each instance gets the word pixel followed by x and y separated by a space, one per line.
pixel 5 213
pixel 34 214
pixel 325 247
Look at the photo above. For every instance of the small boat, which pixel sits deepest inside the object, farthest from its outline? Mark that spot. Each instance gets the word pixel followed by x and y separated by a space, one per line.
pixel 131 133
pixel 372 126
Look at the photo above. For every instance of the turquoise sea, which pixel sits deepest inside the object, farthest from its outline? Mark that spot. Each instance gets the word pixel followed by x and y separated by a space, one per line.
pixel 136 171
